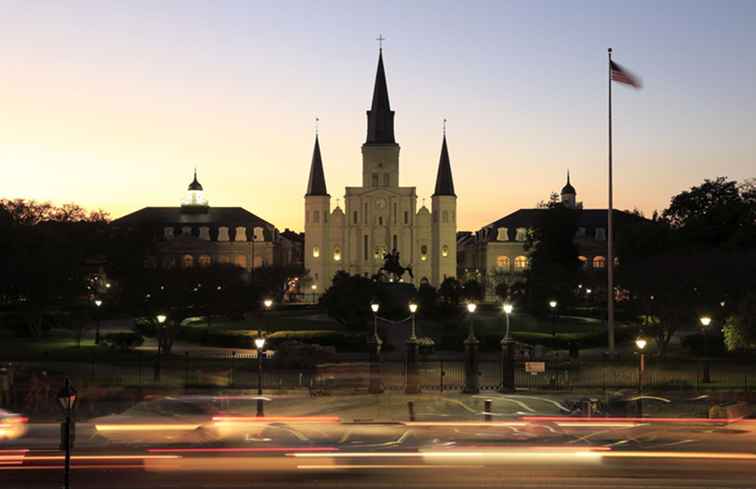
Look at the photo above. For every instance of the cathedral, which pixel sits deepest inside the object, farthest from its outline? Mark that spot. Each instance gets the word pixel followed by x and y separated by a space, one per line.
pixel 380 216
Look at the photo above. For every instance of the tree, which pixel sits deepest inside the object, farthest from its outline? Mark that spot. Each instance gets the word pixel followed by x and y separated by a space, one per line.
pixel 554 264
pixel 348 299
pixel 472 290
pixel 740 328
pixel 716 213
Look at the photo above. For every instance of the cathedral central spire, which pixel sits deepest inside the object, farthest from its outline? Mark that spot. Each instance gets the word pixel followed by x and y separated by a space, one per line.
pixel 380 116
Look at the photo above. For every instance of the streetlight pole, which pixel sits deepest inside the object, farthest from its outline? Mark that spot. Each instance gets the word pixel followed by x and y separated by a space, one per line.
pixel 413 382
pixel 507 355
pixel 260 344
pixel 97 303
pixel 641 344
pixel 705 322
pixel 161 320
pixel 553 305
pixel 472 381
pixel 67 398
pixel 268 303
pixel 374 344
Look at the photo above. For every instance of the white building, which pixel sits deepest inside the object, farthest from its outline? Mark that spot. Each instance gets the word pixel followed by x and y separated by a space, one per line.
pixel 380 215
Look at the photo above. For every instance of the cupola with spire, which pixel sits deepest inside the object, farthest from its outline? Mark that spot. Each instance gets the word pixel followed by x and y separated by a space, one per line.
pixel 195 200
pixel 568 194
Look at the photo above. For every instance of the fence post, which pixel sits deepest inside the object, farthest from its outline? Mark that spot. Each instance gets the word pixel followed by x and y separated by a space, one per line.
pixel 442 374
pixel 411 409
pixel 186 368
pixel 487 410
pixel 139 366
pixel 92 365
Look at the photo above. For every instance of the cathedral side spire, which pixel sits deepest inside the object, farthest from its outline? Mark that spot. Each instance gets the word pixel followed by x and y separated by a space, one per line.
pixel 444 181
pixel 316 184
pixel 380 116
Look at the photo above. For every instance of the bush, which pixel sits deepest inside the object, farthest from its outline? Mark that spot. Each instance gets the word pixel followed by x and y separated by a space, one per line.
pixel 146 327
pixel 122 341
pixel 339 340
pixel 698 345
pixel 298 355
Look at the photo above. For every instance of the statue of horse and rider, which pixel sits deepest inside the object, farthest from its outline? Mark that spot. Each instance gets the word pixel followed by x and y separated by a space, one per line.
pixel 392 266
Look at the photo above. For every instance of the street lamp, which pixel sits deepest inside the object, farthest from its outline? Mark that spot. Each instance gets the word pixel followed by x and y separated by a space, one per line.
pixel 259 344
pixel 641 344
pixel 67 398
pixel 375 307
pixel 553 305
pixel 161 318
pixel 314 288
pixel 705 322
pixel 97 303
pixel 413 310
pixel 471 308
pixel 268 303
pixel 507 308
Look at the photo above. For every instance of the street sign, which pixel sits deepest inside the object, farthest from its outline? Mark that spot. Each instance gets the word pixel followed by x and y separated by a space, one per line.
pixel 535 367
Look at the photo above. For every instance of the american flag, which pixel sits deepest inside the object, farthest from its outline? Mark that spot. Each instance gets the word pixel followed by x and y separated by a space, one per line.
pixel 619 74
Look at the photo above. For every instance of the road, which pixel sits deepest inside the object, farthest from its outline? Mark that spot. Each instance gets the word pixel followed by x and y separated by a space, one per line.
pixel 321 452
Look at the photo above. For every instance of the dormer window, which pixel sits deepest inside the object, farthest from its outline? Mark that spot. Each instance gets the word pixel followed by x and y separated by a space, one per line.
pixel 204 233
pixel 600 234
pixel 241 233
pixel 522 234
pixel 186 231
pixel 223 233
pixel 502 234
pixel 258 234
pixel 581 232
pixel 168 233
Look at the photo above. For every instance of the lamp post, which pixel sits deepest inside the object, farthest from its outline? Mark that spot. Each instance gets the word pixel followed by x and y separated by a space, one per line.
pixel 507 355
pixel 259 344
pixel 314 288
pixel 413 381
pixel 705 322
pixel 67 398
pixel 161 318
pixel 97 303
pixel 374 347
pixel 553 305
pixel 641 344
pixel 268 304
pixel 472 381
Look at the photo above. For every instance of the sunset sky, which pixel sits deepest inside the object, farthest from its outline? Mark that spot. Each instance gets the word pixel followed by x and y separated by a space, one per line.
pixel 112 104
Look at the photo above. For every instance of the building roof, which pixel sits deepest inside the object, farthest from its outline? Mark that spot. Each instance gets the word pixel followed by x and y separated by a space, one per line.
pixel 444 181
pixel 529 218
pixel 380 116
pixel 219 216
pixel 316 184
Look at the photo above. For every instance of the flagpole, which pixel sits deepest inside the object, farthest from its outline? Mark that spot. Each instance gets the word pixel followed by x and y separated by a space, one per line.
pixel 610 230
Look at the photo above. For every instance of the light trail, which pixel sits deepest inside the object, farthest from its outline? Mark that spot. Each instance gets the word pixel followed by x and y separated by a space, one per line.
pixel 702 455
pixel 146 427
pixel 276 419
pixel 466 423
pixel 631 419
pixel 383 466
pixel 242 450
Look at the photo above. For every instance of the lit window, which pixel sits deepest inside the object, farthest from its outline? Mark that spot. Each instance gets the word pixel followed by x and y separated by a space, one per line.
pixel 204 261
pixel 599 262
pixel 204 233
pixel 337 253
pixel 521 263
pixel 315 251
pixel 502 235
pixel 258 262
pixel 241 233
pixel 424 252
pixel 522 234
pixel 444 250
pixel 583 261
pixel 224 259
pixel 240 261
pixel 187 261
pixel 258 234
pixel 502 262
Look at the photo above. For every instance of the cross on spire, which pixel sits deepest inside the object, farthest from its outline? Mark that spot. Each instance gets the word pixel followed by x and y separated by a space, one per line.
pixel 317 125
pixel 380 40
pixel 444 126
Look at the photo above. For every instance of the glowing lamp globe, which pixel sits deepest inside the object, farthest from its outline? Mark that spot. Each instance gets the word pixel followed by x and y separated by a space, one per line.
pixel 705 320
pixel 640 343
pixel 374 307
pixel 507 308
pixel 268 303
pixel 259 343
pixel 161 318
pixel 471 307
pixel 413 307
